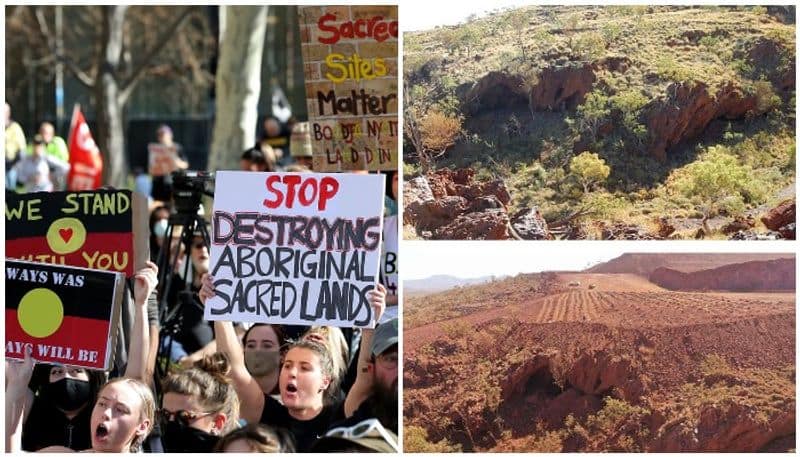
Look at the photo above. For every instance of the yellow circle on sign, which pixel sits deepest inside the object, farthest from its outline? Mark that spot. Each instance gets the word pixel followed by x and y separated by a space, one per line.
pixel 66 235
pixel 40 313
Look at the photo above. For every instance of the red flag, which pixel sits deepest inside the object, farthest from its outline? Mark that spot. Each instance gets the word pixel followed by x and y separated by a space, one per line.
pixel 86 162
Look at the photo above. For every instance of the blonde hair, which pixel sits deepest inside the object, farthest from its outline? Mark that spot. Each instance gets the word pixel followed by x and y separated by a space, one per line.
pixel 208 383
pixel 337 347
pixel 148 410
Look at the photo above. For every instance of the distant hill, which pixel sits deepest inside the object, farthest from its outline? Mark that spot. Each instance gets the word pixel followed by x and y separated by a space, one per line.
pixel 645 264
pixel 764 275
pixel 439 283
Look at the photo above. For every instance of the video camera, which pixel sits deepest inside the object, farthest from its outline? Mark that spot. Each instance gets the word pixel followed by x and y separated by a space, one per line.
pixel 188 188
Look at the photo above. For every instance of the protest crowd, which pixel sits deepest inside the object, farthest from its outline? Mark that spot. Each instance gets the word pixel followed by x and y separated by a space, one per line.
pixel 178 382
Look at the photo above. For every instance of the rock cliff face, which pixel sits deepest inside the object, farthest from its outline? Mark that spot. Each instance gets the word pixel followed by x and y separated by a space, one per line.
pixel 687 109
pixel 496 90
pixel 770 275
pixel 561 88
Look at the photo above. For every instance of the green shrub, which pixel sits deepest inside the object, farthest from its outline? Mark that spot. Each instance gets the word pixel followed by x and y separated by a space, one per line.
pixel 415 439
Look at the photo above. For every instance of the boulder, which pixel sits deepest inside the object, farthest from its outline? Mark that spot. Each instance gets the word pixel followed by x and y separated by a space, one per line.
pixel 417 195
pixel 448 207
pixel 529 224
pixel 738 224
pixel 780 216
pixel 486 225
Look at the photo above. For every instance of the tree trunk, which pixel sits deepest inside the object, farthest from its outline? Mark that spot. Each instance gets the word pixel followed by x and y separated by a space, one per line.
pixel 238 84
pixel 110 130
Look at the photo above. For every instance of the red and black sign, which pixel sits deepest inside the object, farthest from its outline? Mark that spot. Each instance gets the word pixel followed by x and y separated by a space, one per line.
pixel 67 315
pixel 103 229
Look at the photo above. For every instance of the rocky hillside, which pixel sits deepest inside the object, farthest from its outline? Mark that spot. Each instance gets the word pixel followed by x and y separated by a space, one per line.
pixel 770 275
pixel 650 90
pixel 645 264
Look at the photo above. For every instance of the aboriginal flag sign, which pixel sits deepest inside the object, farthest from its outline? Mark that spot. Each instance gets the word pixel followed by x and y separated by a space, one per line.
pixel 102 229
pixel 66 315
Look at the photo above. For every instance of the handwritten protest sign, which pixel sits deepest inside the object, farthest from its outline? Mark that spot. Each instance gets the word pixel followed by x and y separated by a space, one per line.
pixel 102 229
pixel 66 315
pixel 295 248
pixel 162 159
pixel 350 66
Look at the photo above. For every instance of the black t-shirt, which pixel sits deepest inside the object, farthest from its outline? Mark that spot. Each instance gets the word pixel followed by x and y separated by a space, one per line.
pixel 48 426
pixel 365 411
pixel 303 432
pixel 195 332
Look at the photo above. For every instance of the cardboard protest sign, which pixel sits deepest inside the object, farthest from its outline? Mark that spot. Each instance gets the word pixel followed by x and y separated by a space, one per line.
pixel 295 248
pixel 67 315
pixel 161 159
pixel 350 66
pixel 101 229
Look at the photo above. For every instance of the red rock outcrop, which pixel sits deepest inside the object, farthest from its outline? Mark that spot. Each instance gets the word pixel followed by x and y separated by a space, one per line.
pixel 770 275
pixel 725 427
pixel 560 88
pixel 496 90
pixel 687 109
pixel 601 373
pixel 486 225
pixel 780 216
pixel 765 55
pixel 451 204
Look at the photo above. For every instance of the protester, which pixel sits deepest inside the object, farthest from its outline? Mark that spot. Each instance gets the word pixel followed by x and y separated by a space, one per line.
pixel 55 146
pixel 15 147
pixel 262 355
pixel 120 419
pixel 199 406
pixel 62 398
pixel 162 185
pixel 334 341
pixel 275 136
pixel 34 171
pixel 159 221
pixel 301 145
pixel 256 438
pixel 306 373
pixel 374 393
pixel 255 159
pixel 195 333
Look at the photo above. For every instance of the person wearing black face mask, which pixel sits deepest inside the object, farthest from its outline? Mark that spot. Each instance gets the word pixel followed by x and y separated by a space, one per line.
pixel 199 406
pixel 62 407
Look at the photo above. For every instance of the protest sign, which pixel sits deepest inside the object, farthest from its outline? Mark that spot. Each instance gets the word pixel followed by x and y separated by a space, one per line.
pixel 350 66
pixel 161 159
pixel 102 229
pixel 67 315
pixel 295 248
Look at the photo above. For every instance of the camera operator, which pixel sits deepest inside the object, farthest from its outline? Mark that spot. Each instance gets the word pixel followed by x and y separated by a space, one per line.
pixel 194 332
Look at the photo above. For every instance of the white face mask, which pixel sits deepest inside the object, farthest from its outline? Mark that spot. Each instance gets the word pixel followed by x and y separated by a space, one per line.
pixel 160 228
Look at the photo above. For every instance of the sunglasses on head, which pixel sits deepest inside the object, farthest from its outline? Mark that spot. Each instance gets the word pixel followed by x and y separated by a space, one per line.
pixel 184 417
pixel 370 428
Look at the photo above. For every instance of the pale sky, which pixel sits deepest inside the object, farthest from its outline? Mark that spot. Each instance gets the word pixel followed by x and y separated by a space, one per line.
pixel 473 259
pixel 420 15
